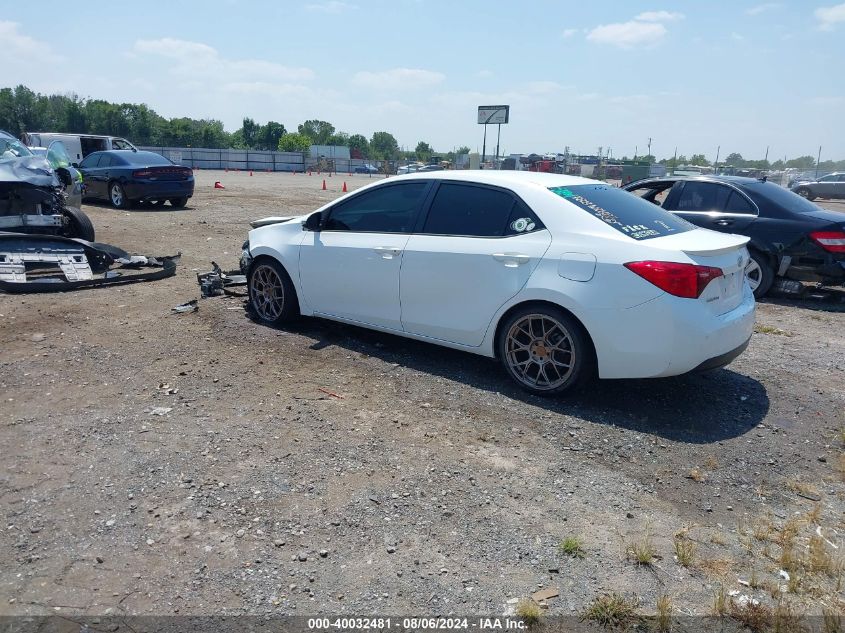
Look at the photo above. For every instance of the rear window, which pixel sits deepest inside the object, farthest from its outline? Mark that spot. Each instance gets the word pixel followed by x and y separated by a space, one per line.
pixel 625 212
pixel 144 158
pixel 770 192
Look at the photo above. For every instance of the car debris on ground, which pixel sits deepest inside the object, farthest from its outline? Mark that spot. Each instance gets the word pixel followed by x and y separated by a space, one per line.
pixel 216 282
pixel 52 263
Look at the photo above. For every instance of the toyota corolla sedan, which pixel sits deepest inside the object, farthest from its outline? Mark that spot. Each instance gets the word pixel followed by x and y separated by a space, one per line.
pixel 559 278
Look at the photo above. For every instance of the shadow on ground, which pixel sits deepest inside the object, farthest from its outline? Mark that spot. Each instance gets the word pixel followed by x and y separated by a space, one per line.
pixel 695 409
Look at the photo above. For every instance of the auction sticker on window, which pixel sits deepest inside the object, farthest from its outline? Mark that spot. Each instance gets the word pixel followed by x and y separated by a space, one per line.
pixel 625 212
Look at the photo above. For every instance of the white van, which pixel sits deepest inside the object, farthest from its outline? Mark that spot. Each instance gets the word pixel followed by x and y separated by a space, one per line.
pixel 78 145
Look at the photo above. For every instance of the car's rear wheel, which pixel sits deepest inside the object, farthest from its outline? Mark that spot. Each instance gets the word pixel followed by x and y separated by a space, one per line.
pixel 759 273
pixel 117 196
pixel 272 296
pixel 79 225
pixel 804 192
pixel 545 350
pixel 178 203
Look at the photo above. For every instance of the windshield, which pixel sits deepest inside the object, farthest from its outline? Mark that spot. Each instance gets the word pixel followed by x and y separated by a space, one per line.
pixel 12 148
pixel 625 212
pixel 770 192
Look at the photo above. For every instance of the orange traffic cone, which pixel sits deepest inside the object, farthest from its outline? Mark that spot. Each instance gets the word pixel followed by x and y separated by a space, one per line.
pixel 344 190
pixel 250 172
pixel 324 184
pixel 218 185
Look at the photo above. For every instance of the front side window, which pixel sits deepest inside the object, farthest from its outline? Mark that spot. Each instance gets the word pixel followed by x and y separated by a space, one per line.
pixel 474 211
pixel 702 196
pixel 90 161
pixel 387 209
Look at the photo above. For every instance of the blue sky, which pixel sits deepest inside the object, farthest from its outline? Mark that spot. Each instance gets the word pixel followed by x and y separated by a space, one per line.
pixel 696 75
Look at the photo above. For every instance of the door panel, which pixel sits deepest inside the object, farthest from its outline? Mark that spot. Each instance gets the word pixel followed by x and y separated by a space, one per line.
pixel 451 287
pixel 353 275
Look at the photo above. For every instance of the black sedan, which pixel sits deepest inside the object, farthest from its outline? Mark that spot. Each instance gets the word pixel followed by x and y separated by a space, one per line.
pixel 124 177
pixel 790 237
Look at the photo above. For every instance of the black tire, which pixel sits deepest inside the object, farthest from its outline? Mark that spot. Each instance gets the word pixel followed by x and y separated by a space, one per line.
pixel 804 192
pixel 762 274
pixel 272 297
pixel 516 346
pixel 79 225
pixel 178 203
pixel 117 196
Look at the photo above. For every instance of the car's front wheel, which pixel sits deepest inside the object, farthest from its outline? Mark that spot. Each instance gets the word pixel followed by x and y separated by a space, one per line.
pixel 272 296
pixel 545 350
pixel 804 192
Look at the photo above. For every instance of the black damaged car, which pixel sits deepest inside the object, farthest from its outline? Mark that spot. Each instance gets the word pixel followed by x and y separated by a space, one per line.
pixel 791 237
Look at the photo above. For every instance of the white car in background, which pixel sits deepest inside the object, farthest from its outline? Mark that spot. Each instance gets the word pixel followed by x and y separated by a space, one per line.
pixel 558 277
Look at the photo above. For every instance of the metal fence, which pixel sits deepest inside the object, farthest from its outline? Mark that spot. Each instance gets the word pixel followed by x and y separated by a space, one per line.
pixel 258 160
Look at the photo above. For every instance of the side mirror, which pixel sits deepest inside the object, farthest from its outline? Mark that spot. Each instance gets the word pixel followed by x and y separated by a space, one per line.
pixel 313 223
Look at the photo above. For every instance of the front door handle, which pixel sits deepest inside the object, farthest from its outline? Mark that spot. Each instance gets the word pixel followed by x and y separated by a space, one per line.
pixel 387 252
pixel 512 260
pixel 723 222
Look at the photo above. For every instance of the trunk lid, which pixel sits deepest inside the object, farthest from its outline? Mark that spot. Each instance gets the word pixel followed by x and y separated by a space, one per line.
pixel 725 251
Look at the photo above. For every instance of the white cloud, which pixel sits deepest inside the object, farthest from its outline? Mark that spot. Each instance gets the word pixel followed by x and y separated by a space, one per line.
pixel 542 87
pixel 484 74
pixel 568 33
pixel 829 17
pixel 398 79
pixel 828 101
pixel 628 34
pixel 198 60
pixel 736 37
pixel 20 48
pixel 762 8
pixel 659 16
pixel 333 6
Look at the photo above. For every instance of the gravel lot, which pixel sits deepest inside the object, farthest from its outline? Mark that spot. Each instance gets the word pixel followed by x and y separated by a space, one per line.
pixel 325 469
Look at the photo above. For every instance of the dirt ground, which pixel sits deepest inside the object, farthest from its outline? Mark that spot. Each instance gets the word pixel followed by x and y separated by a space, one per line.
pixel 201 464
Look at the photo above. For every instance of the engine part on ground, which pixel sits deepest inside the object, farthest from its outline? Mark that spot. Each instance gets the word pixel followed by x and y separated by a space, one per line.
pixel 32 263
pixel 788 287
pixel 184 308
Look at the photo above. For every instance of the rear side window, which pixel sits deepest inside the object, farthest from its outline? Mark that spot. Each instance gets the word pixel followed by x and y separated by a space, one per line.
pixel 90 161
pixel 478 212
pixel 625 212
pixel 390 209
pixel 737 203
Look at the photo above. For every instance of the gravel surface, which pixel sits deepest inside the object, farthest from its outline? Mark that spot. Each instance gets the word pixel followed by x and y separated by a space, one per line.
pixel 204 464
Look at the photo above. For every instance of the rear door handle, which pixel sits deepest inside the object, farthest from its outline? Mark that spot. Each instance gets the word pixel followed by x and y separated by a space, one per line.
pixel 512 260
pixel 387 252
pixel 723 222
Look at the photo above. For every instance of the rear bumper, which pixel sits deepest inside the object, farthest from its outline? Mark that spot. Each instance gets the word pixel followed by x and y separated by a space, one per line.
pixel 668 336
pixel 161 190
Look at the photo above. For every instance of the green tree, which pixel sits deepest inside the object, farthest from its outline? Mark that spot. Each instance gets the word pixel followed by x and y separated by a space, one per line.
pixel 318 131
pixel 423 151
pixel 802 162
pixel 294 142
pixel 339 139
pixel 735 159
pixel 250 132
pixel 383 145
pixel 699 159
pixel 268 135
pixel 649 158
pixel 359 142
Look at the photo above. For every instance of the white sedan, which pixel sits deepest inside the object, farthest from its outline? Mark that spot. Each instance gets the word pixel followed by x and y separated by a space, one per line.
pixel 560 278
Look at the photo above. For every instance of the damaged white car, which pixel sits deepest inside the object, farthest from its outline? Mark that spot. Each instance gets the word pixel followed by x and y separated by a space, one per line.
pixel 558 277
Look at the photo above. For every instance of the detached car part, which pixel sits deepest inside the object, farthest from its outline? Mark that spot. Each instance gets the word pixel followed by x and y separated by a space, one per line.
pixel 51 263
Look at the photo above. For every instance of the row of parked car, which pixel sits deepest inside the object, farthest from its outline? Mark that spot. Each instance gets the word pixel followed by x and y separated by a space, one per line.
pixel 42 188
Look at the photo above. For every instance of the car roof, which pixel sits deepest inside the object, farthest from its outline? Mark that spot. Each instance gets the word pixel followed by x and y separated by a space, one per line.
pixel 503 178
pixel 736 180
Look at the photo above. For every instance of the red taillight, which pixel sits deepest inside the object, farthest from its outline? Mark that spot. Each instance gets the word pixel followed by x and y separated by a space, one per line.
pixel 832 241
pixel 142 173
pixel 681 280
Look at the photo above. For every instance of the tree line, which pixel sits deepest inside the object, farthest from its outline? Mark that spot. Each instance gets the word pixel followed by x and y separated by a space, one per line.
pixel 22 110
